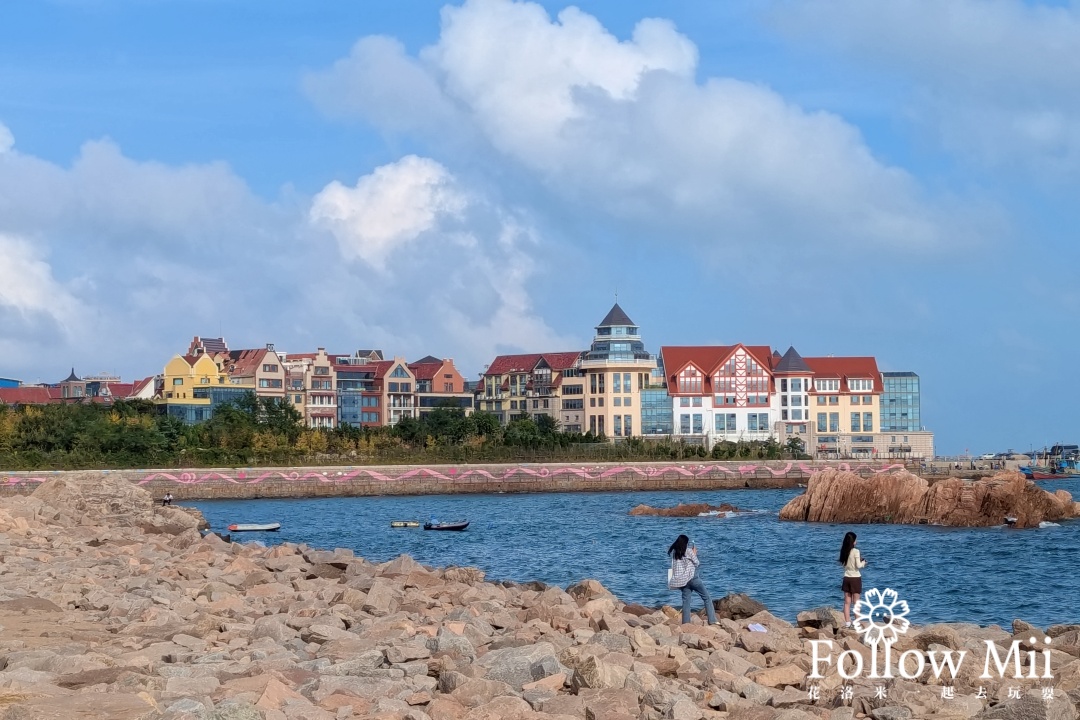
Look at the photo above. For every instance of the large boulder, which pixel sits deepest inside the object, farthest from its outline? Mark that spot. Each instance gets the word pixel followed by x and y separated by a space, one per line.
pixel 903 498
pixel 95 496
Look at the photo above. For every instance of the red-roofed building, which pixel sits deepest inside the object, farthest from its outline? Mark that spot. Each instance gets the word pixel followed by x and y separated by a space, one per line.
pixel 26 395
pixel 260 367
pixel 311 387
pixel 439 384
pixel 722 392
pixel 526 386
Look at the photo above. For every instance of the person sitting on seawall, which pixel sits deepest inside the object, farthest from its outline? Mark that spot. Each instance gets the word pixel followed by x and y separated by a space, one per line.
pixel 684 576
pixel 167 500
pixel 852 561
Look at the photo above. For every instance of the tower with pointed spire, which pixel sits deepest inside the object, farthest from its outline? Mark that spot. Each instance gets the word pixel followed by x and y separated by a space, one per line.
pixel 616 368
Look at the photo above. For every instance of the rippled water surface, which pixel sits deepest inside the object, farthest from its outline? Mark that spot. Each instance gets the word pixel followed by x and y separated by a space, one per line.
pixel 986 575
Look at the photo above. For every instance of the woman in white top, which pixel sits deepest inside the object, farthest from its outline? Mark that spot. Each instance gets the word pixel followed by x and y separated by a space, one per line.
pixel 684 576
pixel 852 561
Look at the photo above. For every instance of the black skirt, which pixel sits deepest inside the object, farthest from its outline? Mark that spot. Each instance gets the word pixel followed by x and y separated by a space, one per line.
pixel 852 585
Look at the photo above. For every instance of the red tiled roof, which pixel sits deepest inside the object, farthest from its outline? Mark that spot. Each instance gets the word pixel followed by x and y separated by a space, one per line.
pixel 426 371
pixel 504 364
pixel 139 385
pixel 36 395
pixel 847 367
pixel 246 362
pixel 708 359
pixel 119 391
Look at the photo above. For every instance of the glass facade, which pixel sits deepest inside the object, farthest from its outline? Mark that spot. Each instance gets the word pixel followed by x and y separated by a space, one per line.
pixel 900 402
pixel 656 412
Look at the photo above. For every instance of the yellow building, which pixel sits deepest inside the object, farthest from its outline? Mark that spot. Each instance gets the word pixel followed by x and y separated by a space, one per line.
pixel 193 386
pixel 615 371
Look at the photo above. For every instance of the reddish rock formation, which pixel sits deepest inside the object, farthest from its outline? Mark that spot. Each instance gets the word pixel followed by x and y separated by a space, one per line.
pixel 684 510
pixel 904 498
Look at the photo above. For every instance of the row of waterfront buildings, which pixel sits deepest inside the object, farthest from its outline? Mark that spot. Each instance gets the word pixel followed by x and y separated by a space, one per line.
pixel 837 406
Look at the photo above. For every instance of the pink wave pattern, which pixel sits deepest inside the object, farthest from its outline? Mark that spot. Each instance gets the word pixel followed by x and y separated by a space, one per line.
pixel 465 475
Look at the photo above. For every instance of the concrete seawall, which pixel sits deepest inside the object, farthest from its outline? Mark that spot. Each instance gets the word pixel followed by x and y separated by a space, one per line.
pixel 345 481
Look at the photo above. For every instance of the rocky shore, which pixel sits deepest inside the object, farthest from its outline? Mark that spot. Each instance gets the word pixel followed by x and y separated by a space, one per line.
pixel 118 609
pixel 903 498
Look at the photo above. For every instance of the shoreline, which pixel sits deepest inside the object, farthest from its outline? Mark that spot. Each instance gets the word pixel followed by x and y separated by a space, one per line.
pixel 355 480
pixel 119 609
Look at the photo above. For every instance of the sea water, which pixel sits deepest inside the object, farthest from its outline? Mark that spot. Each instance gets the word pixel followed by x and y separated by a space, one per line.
pixel 980 575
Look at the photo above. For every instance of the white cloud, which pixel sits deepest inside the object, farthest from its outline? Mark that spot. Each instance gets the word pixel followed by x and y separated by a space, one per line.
pixel 387 209
pixel 454 267
pixel 624 127
pixel 27 284
pixel 998 81
pixel 7 140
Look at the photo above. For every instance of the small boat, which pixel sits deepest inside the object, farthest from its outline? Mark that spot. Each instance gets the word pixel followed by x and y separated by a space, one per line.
pixel 255 527
pixel 404 523
pixel 459 525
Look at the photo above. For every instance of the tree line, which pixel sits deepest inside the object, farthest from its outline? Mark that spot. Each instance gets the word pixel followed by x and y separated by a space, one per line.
pixel 268 431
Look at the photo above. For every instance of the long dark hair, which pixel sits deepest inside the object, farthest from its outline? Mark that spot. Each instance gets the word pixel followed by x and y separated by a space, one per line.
pixel 845 549
pixel 679 547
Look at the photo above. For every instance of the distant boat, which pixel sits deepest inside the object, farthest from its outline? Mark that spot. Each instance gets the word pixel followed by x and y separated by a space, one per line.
pixel 255 527
pixel 459 525
pixel 404 523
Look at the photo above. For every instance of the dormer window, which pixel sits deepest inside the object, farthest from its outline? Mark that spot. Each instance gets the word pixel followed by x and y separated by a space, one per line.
pixel 690 381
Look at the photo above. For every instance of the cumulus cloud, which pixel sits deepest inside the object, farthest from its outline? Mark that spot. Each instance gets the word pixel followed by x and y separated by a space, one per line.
pixel 27 284
pixel 388 208
pixel 624 127
pixel 463 262
pixel 7 140
pixel 998 81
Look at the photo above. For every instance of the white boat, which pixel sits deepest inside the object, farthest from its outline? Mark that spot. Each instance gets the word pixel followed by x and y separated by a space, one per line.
pixel 254 527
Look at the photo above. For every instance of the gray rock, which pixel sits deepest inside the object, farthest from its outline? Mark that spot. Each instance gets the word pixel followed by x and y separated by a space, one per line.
pixel 234 711
pixel 517 666
pixel 891 712
pixel 447 642
pixel 1031 707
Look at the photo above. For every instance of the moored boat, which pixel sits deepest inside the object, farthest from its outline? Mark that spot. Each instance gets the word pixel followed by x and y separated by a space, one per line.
pixel 404 523
pixel 458 525
pixel 254 527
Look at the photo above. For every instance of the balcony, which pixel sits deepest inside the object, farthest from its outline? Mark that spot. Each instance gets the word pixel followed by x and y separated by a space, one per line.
pixel 649 362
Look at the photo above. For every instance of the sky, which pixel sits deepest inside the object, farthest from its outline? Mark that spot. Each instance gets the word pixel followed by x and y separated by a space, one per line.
pixel 464 179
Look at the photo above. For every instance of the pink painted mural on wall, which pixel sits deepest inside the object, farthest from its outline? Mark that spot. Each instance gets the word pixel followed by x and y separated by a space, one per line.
pixel 508 474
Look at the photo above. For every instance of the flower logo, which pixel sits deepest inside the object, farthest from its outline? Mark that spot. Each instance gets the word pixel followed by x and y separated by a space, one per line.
pixel 881 616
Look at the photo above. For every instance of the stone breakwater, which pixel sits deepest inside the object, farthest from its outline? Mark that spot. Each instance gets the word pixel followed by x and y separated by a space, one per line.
pixel 247 483
pixel 117 609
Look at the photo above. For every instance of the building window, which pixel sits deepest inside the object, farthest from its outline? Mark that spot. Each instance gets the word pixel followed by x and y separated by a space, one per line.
pixel 617 423
pixel 392 387
pixel 821 400
pixel 783 385
pixel 834 422
pixel 178 381
pixel 513 405
pixel 573 405
pixel 696 402
pixel 270 368
pixel 690 381
pixel 796 385
pixel 827 385
pixel 684 424
pixel 573 390
pixel 783 414
pixel 821 420
pixel 854 399
pixel 725 422
pixel 627 425
pixel 868 422
pixel 757 422
pixel 616 386
pixel 698 426
pixel 860 385
pixel 626 382
pixel 856 425
pixel 600 402
pixel 618 402
pixel 868 400
pixel 796 400
pixel 684 402
pixel 834 399
pixel 797 415
pixel 536 404
pixel 399 372
pixel 322 370
pixel 202 381
pixel 626 402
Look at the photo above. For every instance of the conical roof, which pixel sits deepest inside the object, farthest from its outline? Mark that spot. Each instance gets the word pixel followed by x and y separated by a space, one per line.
pixel 792 362
pixel 615 316
pixel 73 377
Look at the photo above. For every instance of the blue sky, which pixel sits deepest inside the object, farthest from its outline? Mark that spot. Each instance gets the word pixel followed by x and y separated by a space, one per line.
pixel 894 179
